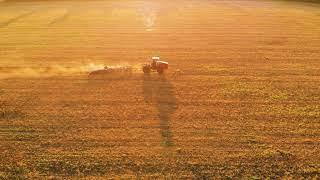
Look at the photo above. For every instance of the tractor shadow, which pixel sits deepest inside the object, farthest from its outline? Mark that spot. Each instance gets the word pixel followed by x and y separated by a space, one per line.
pixel 159 92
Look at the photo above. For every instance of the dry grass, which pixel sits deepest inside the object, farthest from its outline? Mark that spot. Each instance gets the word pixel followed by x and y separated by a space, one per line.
pixel 241 99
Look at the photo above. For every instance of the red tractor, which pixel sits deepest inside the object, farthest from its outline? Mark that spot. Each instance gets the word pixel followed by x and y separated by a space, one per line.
pixel 156 65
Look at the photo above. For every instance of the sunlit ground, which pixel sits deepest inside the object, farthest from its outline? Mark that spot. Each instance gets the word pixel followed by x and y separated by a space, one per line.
pixel 240 99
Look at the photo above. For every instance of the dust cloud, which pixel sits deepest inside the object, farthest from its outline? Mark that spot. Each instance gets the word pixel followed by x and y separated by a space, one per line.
pixel 50 71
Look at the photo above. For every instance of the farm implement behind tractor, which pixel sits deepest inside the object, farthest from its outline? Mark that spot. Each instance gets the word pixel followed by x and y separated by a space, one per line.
pixel 125 71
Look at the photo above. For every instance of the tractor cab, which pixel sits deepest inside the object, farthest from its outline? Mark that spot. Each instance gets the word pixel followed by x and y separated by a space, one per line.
pixel 156 65
pixel 154 62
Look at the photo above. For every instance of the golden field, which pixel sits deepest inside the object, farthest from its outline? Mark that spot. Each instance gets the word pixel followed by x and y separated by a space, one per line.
pixel 241 98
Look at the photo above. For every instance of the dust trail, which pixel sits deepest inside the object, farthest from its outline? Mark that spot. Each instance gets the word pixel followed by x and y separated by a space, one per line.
pixel 12 20
pixel 48 71
pixel 59 70
pixel 158 91
pixel 60 19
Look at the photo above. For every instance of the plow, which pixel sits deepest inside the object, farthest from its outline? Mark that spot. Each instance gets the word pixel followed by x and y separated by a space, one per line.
pixel 156 65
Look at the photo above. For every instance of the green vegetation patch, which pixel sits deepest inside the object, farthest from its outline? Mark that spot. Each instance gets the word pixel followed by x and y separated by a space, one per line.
pixel 20 133
pixel 10 114
pixel 240 89
pixel 214 69
pixel 14 171
pixel 306 110
pixel 263 91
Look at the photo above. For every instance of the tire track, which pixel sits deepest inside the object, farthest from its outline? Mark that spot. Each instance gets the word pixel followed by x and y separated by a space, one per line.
pixel 12 20
pixel 59 19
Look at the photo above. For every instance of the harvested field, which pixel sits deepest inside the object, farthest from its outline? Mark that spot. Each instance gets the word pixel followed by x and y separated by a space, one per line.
pixel 241 98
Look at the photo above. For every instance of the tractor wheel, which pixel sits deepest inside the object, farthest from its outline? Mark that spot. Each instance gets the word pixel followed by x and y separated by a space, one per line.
pixel 146 69
pixel 160 71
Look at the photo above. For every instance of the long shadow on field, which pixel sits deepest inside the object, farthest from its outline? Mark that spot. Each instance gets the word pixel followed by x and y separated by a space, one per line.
pixel 158 91
pixel 12 20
